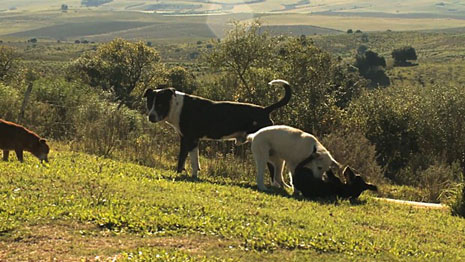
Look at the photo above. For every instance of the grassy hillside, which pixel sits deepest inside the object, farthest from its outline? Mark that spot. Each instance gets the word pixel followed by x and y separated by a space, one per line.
pixel 81 206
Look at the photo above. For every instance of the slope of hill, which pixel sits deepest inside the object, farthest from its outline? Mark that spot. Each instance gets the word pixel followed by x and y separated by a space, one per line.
pixel 82 206
pixel 209 19
pixel 375 7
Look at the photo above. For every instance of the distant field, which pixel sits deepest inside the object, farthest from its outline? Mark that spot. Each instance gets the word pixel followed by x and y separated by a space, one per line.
pixel 196 19
pixel 105 25
pixel 442 8
pixel 364 23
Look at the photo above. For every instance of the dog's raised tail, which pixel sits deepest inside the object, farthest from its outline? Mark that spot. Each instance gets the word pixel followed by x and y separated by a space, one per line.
pixel 250 137
pixel 285 99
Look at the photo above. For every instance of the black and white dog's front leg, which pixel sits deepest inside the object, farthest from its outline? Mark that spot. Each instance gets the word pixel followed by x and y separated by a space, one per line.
pixel 189 146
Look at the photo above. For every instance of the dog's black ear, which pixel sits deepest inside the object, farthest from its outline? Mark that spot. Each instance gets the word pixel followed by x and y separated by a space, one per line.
pixel 349 175
pixel 148 92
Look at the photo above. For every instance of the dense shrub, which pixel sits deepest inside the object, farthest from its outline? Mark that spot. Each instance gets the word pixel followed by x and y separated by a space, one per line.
pixel 54 104
pixel 401 55
pixel 321 85
pixel 458 202
pixel 412 127
pixel 181 79
pixel 353 149
pixel 9 63
pixel 386 120
pixel 437 178
pixel 120 67
pixel 9 103
pixel 104 128
pixel 371 66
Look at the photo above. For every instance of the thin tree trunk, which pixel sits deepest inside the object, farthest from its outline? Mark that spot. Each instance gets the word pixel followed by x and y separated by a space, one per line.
pixel 25 101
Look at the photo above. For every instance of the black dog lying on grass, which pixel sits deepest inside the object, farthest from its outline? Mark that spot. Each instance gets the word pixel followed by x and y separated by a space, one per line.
pixel 329 186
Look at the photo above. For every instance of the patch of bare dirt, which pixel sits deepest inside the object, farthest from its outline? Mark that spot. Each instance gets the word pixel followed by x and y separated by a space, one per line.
pixel 86 242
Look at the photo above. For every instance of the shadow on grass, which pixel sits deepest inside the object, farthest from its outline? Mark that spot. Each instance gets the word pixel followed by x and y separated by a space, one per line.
pixel 331 200
pixel 274 191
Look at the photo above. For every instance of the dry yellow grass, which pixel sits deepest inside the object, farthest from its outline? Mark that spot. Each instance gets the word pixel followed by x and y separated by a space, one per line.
pixel 362 23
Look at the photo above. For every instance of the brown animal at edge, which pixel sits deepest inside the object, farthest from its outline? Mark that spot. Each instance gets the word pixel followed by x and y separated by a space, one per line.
pixel 18 138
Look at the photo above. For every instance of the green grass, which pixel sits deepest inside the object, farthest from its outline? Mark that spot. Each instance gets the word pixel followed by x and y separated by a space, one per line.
pixel 86 199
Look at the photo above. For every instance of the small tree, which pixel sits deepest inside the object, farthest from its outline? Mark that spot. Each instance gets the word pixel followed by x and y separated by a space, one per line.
pixel 350 31
pixel 243 49
pixel 8 62
pixel 64 7
pixel 401 55
pixel 362 49
pixel 118 66
pixel 371 66
pixel 181 79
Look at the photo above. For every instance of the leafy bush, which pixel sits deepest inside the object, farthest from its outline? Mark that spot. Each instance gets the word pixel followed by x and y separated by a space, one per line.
pixel 103 128
pixel 458 203
pixel 437 178
pixel 9 103
pixel 371 66
pixel 353 149
pixel 412 128
pixel 321 85
pixel 118 66
pixel 385 117
pixel 401 55
pixel 9 63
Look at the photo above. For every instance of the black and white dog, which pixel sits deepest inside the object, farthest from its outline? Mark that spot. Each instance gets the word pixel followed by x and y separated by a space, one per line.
pixel 195 118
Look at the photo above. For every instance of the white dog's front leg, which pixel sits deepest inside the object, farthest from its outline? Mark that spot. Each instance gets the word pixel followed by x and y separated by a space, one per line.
pixel 194 156
pixel 260 173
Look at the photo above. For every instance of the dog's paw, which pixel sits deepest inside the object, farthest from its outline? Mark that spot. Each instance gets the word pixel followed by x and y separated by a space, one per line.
pixel 277 184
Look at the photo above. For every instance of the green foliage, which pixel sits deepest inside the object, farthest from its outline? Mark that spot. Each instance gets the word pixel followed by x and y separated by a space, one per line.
pixel 181 79
pixel 9 63
pixel 321 85
pixel 353 149
pixel 401 55
pixel 9 102
pixel 118 66
pixel 53 106
pixel 458 203
pixel 161 255
pixel 437 178
pixel 412 127
pixel 105 128
pixel 243 49
pixel 371 66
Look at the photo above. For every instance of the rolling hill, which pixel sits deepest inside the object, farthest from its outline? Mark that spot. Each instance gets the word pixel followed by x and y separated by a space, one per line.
pixel 154 20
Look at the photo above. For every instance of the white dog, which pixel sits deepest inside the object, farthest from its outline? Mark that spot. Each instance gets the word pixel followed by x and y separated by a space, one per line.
pixel 280 145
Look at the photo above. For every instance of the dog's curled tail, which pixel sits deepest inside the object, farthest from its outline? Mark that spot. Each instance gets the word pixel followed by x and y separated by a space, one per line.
pixel 285 99
pixel 250 137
